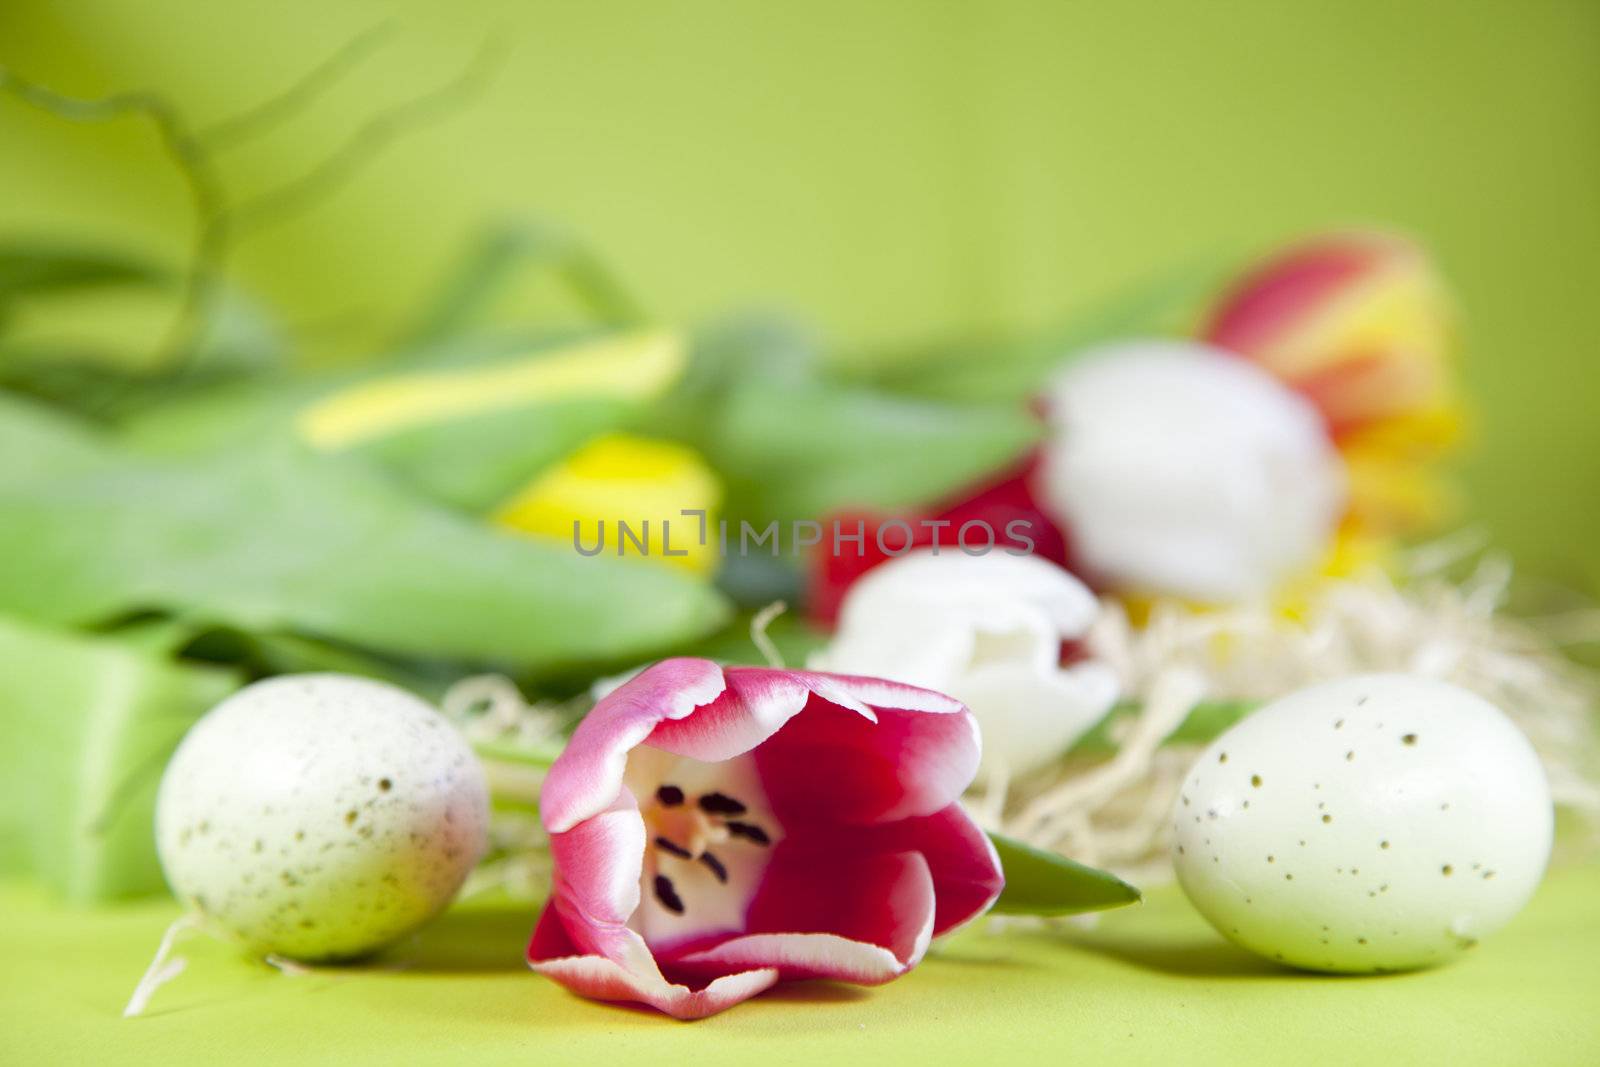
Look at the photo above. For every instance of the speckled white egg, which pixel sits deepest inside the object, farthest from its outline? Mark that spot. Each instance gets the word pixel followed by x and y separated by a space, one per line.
pixel 1376 823
pixel 320 816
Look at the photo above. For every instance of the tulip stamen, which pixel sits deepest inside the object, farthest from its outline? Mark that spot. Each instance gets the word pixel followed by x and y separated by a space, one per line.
pixel 750 832
pixel 721 804
pixel 716 867
pixel 670 796
pixel 667 894
pixel 668 845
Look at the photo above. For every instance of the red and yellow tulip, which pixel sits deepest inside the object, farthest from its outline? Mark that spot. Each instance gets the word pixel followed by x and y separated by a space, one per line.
pixel 1362 326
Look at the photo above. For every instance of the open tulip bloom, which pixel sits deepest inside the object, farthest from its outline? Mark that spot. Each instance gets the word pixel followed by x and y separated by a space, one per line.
pixel 717 830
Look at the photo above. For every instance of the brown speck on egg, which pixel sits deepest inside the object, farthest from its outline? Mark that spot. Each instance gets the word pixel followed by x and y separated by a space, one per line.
pixel 1409 739
pixel 1447 870
pixel 1327 818
pixel 1255 780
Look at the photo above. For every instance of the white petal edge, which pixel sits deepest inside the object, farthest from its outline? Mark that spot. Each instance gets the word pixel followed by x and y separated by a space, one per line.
pixel 600 979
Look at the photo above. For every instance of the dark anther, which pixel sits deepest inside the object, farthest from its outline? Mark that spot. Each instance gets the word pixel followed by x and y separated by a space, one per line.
pixel 668 895
pixel 673 847
pixel 721 804
pixel 670 795
pixel 750 832
pixel 716 866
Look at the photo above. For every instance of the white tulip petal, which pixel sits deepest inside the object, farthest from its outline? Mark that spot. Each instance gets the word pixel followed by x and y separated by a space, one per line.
pixel 987 630
pixel 1180 469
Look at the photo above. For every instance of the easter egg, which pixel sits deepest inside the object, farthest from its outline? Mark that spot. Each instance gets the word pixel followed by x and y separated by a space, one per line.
pixel 321 817
pixel 1376 823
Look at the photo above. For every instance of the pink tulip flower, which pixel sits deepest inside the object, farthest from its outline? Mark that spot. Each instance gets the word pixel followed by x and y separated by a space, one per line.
pixel 718 830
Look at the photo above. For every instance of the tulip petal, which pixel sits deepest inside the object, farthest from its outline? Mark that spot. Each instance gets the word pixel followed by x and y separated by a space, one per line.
pixel 552 953
pixel 864 919
pixel 586 778
pixel 833 765
pixel 798 957
pixel 965 869
pixel 753 705
pixel 1031 717
pixel 1276 299
pixel 597 867
pixel 899 750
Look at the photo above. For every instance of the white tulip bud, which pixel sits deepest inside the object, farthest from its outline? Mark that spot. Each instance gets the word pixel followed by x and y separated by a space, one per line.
pixel 986 630
pixel 1179 469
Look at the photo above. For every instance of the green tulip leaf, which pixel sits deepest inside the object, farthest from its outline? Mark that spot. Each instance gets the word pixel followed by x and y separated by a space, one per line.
pixel 41 267
pixel 801 451
pixel 94 721
pixel 1044 883
pixel 1015 369
pixel 507 258
pixel 280 537
pixel 472 453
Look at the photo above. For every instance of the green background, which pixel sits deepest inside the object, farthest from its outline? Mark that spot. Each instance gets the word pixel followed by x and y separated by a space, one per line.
pixel 899 171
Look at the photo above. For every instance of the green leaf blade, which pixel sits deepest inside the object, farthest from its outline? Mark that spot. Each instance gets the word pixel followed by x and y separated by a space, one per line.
pixel 1043 883
pixel 277 537
pixel 96 719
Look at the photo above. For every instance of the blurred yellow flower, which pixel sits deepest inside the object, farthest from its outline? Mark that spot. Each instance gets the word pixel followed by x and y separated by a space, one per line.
pixel 625 495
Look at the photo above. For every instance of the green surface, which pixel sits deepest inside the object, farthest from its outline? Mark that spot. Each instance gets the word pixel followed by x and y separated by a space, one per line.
pixel 1151 984
pixel 895 170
